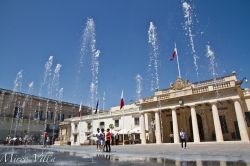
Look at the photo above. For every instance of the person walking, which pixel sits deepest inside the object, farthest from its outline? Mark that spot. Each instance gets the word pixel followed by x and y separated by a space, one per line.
pixel 98 140
pixel 116 138
pixel 107 143
pixel 102 139
pixel 45 135
pixel 183 138
pixel 48 141
pixel 112 139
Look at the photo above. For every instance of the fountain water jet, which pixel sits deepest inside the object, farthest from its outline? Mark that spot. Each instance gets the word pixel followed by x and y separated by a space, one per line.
pixel 54 84
pixel 103 100
pixel 58 107
pixel 46 79
pixel 47 74
pixel 188 24
pixel 153 59
pixel 13 97
pixel 211 57
pixel 88 46
pixel 26 100
pixel 138 86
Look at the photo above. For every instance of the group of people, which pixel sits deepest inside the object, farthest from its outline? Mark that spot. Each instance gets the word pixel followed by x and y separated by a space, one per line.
pixel 18 140
pixel 103 140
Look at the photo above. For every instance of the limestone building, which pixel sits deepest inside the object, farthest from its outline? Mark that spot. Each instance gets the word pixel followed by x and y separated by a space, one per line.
pixel 212 110
pixel 22 114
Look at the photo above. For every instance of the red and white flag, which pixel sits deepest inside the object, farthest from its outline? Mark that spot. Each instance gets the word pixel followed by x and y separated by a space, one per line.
pixel 174 54
pixel 122 101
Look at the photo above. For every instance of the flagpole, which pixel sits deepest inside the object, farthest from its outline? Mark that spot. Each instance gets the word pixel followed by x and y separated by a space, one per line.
pixel 178 64
pixel 123 125
pixel 122 107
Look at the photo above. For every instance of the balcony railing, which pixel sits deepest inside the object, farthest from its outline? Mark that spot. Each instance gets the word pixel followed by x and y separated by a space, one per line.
pixel 194 89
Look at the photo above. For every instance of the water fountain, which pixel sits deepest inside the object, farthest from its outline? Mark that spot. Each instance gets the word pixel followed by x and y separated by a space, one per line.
pixel 53 85
pixel 13 97
pixel 188 24
pixel 88 67
pixel 212 63
pixel 58 94
pixel 47 74
pixel 22 108
pixel 138 86
pixel 29 139
pixel 103 100
pixel 153 57
pixel 45 81
pixel 58 108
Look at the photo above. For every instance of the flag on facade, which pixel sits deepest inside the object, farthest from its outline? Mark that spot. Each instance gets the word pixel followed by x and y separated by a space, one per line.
pixel 96 108
pixel 122 101
pixel 174 54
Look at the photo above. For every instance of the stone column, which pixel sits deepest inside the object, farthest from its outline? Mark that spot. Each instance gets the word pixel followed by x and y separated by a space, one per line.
pixel 223 163
pixel 177 163
pixel 195 125
pixel 241 121
pixel 157 127
pixel 146 121
pixel 217 125
pixel 143 133
pixel 175 126
pixel 199 163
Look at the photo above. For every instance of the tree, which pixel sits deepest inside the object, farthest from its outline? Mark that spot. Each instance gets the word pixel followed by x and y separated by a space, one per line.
pixel 111 126
pixel 89 126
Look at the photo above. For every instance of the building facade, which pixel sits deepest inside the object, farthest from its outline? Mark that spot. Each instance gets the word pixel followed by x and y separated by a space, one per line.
pixel 212 110
pixel 22 114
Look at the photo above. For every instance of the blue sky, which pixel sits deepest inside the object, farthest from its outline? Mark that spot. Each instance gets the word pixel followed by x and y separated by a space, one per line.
pixel 32 30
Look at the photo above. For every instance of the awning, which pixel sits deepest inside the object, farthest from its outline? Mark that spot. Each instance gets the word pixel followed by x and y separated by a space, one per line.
pixel 114 131
pixel 136 130
pixel 123 131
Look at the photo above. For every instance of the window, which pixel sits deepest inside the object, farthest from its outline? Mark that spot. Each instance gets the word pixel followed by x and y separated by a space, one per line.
pixel 40 115
pixel 117 123
pixel 137 122
pixel 51 115
pixel 248 118
pixel 223 124
pixel 89 126
pixel 36 115
pixel 76 126
pixel 47 115
pixel 18 112
pixel 102 125
pixel 75 138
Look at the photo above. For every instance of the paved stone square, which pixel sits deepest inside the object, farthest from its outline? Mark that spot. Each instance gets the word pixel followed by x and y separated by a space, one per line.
pixel 230 151
pixel 151 154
